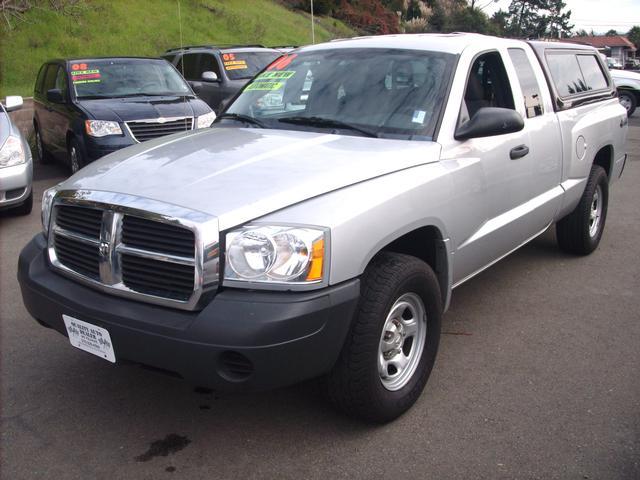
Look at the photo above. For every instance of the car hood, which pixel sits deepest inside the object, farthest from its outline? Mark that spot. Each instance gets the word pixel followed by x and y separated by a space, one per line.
pixel 140 108
pixel 624 74
pixel 240 174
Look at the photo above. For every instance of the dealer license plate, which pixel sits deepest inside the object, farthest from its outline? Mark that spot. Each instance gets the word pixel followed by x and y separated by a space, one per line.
pixel 90 338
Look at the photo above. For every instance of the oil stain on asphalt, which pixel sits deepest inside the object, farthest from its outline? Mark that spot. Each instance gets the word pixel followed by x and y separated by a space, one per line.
pixel 172 443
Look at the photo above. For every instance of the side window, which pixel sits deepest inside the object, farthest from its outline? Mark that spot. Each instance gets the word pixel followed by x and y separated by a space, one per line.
pixel 50 77
pixel 208 63
pixel 592 73
pixel 188 66
pixel 487 86
pixel 40 79
pixel 528 83
pixel 61 82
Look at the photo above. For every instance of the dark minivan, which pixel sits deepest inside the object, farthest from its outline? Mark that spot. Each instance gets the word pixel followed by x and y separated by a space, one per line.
pixel 86 108
pixel 217 73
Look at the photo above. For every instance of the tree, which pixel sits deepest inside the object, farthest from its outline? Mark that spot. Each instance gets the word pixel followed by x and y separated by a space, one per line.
pixel 581 33
pixel 634 36
pixel 538 18
pixel 611 33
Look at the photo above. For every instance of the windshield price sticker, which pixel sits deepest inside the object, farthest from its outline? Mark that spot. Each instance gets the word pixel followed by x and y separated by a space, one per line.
pixel 85 76
pixel 265 86
pixel 90 338
pixel 277 75
pixel 235 65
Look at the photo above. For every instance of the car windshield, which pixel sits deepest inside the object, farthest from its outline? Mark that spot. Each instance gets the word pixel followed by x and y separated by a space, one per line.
pixel 243 65
pixel 125 78
pixel 375 92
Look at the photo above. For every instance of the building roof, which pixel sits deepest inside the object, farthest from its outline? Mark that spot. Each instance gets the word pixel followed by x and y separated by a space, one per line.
pixel 605 41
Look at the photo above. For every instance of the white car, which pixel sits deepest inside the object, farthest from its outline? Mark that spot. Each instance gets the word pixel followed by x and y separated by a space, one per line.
pixel 628 85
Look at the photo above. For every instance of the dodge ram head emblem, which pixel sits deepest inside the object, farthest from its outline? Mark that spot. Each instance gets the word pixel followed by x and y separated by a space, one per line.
pixel 103 249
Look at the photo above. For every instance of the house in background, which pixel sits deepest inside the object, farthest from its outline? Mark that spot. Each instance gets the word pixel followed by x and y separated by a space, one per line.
pixel 614 46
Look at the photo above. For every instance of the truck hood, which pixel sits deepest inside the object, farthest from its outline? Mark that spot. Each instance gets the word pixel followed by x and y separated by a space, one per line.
pixel 240 174
pixel 139 108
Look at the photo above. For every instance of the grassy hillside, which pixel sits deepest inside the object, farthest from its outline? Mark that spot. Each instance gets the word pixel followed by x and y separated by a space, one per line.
pixel 146 28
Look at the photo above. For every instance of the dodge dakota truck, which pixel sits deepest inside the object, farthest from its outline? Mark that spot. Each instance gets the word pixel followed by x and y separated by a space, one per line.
pixel 319 228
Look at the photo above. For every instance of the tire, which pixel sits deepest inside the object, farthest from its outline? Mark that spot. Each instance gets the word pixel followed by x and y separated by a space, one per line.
pixel 628 101
pixel 26 207
pixel 75 157
pixel 580 231
pixel 363 382
pixel 43 155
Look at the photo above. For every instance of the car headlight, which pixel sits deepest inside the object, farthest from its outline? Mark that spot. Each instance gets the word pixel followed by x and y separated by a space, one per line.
pixel 276 254
pixel 205 120
pixel 12 152
pixel 47 202
pixel 102 128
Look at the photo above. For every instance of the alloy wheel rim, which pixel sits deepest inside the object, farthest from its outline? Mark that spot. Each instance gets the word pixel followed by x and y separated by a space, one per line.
pixel 625 102
pixel 595 212
pixel 74 160
pixel 402 341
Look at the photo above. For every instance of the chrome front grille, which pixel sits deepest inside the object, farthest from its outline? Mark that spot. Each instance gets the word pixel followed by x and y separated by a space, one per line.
pixel 149 256
pixel 143 130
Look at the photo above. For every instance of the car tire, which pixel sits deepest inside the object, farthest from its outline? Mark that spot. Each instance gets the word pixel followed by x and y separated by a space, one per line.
pixel 75 157
pixel 26 206
pixel 628 101
pixel 43 155
pixel 580 231
pixel 392 344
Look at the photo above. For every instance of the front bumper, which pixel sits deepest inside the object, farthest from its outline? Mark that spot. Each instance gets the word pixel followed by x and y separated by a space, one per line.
pixel 96 148
pixel 15 184
pixel 272 338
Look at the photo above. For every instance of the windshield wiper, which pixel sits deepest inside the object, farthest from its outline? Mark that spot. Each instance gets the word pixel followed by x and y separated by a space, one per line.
pixel 328 123
pixel 242 118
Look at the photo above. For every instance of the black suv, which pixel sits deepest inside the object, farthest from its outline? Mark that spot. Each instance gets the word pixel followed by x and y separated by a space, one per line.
pixel 86 108
pixel 217 73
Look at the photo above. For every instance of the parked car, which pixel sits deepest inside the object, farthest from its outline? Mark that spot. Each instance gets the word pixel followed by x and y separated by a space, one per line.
pixel 325 237
pixel 86 108
pixel 16 165
pixel 217 73
pixel 614 62
pixel 628 85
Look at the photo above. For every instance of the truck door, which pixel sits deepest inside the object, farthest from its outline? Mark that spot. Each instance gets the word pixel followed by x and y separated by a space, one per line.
pixel 491 175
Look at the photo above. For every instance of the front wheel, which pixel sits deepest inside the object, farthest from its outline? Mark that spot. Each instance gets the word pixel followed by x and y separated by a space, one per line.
pixel 391 348
pixel 580 231
pixel 628 101
pixel 75 156
pixel 43 155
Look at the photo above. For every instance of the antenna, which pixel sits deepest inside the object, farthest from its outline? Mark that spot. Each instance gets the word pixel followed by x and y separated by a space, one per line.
pixel 313 27
pixel 184 98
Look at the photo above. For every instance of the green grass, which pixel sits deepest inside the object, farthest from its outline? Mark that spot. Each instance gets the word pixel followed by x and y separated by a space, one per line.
pixel 145 28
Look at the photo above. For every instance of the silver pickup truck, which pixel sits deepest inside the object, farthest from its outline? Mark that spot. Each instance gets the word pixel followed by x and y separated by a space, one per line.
pixel 319 228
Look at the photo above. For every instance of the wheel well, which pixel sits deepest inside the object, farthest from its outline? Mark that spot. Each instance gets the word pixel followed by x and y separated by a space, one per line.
pixel 70 136
pixel 425 243
pixel 604 159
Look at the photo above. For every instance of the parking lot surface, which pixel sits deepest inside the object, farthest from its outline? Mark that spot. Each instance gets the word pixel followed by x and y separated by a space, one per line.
pixel 537 377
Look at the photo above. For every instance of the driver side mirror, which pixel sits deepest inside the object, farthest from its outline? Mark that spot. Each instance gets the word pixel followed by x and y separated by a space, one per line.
pixel 55 95
pixel 210 77
pixel 13 102
pixel 490 121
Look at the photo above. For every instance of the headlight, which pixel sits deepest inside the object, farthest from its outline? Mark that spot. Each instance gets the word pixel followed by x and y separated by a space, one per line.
pixel 102 128
pixel 12 152
pixel 47 201
pixel 276 254
pixel 205 120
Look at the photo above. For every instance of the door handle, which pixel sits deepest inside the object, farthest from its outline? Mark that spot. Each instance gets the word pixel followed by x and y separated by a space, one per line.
pixel 518 152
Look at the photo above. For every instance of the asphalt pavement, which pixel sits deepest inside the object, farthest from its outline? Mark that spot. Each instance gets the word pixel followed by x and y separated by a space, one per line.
pixel 537 377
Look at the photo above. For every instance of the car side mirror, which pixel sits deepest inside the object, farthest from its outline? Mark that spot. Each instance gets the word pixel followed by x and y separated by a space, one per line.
pixel 55 95
pixel 490 121
pixel 13 102
pixel 210 77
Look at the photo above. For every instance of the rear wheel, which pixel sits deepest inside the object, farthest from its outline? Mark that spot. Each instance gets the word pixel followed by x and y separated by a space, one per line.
pixel 391 348
pixel 628 101
pixel 580 231
pixel 43 155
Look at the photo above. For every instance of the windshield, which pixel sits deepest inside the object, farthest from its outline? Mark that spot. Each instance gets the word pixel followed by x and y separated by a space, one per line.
pixel 378 92
pixel 243 65
pixel 125 78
